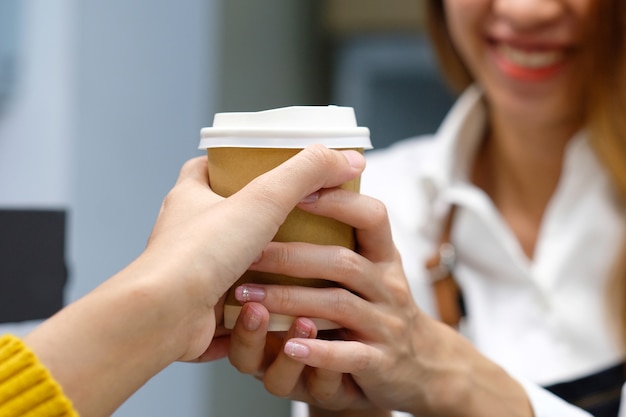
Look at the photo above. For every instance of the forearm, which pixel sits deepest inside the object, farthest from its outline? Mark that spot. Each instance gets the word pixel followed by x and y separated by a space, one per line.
pixel 480 389
pixel 104 347
pixel 496 393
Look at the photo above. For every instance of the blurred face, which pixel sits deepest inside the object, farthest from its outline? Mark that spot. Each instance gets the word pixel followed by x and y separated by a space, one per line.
pixel 523 53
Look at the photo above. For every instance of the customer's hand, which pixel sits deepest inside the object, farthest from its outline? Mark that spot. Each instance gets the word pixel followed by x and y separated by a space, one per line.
pixel 203 235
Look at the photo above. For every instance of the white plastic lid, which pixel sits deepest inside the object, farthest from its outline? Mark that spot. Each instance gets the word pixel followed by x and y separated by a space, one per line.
pixel 287 127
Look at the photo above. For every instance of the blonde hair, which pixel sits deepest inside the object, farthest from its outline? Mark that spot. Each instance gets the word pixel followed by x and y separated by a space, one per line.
pixel 606 122
pixel 603 67
pixel 452 66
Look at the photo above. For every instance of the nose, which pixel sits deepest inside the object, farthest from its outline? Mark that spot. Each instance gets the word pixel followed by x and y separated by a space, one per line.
pixel 528 14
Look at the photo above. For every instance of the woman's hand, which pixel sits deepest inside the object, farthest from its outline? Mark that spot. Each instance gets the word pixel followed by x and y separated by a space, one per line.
pixel 391 355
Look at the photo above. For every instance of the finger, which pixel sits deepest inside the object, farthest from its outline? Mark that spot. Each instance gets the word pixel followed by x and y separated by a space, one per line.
pixel 276 192
pixel 325 386
pixel 248 339
pixel 194 172
pixel 335 304
pixel 334 263
pixel 218 349
pixel 331 390
pixel 195 168
pixel 282 376
pixel 367 215
pixel 349 357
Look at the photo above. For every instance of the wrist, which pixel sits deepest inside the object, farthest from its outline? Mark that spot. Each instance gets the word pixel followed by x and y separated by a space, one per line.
pixel 155 303
pixel 479 388
pixel 181 300
pixel 116 332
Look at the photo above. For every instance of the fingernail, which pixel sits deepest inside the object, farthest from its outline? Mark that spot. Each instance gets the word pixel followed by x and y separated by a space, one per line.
pixel 355 159
pixel 245 293
pixel 311 198
pixel 296 350
pixel 251 318
pixel 303 330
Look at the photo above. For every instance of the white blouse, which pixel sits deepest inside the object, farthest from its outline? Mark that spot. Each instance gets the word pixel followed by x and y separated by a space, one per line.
pixel 543 320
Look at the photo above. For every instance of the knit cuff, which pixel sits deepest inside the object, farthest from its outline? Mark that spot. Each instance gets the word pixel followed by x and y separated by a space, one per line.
pixel 26 387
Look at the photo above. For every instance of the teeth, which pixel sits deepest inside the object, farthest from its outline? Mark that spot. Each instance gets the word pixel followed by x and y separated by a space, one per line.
pixel 530 59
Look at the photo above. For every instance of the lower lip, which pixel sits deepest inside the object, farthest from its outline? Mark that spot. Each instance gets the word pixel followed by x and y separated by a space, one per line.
pixel 527 74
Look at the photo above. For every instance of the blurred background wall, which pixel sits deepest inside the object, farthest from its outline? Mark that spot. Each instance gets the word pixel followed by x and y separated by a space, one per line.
pixel 105 100
pixel 145 81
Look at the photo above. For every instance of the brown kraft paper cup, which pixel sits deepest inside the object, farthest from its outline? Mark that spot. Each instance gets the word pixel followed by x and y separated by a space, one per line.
pixel 243 145
pixel 230 170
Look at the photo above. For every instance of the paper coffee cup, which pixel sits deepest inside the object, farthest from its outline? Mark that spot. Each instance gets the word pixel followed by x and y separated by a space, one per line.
pixel 241 146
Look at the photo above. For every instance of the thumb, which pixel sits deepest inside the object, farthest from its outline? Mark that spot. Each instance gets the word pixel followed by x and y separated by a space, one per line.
pixel 278 191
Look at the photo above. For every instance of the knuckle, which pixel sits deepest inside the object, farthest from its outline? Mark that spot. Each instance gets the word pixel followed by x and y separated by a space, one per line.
pixel 340 301
pixel 288 300
pixel 170 198
pixel 319 155
pixel 265 197
pixel 242 354
pixel 395 327
pixel 284 256
pixel 321 395
pixel 190 164
pixel 379 215
pixel 319 158
pixel 276 388
pixel 323 385
pixel 345 262
pixel 361 362
pixel 399 292
pixel 242 366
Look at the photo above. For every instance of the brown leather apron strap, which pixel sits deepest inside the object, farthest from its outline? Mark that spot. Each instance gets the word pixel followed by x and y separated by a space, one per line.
pixel 441 264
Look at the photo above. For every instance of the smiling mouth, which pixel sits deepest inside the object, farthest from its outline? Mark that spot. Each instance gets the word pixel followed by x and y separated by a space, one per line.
pixel 530 59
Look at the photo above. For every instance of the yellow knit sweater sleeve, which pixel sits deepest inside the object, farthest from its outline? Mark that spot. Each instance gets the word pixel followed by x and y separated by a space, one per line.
pixel 26 387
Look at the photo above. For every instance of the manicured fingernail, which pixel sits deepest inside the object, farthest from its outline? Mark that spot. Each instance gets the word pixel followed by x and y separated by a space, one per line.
pixel 251 318
pixel 355 159
pixel 303 330
pixel 296 350
pixel 311 198
pixel 245 293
